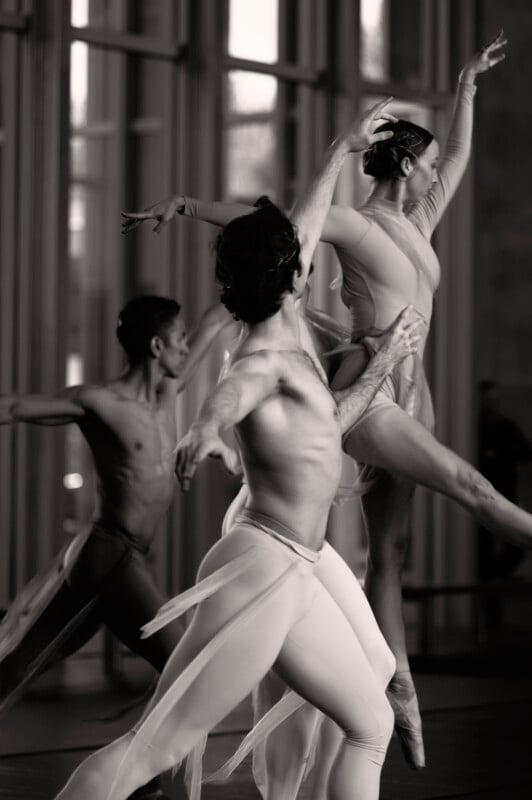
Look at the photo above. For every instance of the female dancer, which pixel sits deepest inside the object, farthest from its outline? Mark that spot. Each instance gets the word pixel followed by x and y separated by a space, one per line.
pixel 387 261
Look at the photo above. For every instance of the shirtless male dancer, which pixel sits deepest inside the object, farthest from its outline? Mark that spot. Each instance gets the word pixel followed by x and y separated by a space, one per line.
pixel 258 601
pixel 130 426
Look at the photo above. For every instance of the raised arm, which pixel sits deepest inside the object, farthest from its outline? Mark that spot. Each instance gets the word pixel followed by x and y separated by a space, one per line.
pixel 399 341
pixel 311 210
pixel 213 320
pixel 59 409
pixel 247 384
pixel 428 211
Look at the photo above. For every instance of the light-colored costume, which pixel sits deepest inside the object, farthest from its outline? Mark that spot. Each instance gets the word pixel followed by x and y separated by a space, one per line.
pixel 260 605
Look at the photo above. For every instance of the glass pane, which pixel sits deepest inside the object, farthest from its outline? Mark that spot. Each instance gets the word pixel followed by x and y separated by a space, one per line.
pixel 253 30
pixel 391 37
pixel 145 77
pixel 79 53
pixel 251 92
pixel 374 39
pixel 149 17
pixel 405 42
pixel 96 13
pixel 250 161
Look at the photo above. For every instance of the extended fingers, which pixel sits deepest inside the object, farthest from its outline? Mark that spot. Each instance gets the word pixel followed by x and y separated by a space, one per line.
pixel 146 214
pixel 499 41
pixel 381 136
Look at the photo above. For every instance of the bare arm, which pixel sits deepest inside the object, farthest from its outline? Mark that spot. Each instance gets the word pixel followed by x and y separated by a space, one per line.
pixel 400 341
pixel 310 212
pixel 428 211
pixel 164 211
pixel 214 320
pixel 247 384
pixel 343 226
pixel 59 409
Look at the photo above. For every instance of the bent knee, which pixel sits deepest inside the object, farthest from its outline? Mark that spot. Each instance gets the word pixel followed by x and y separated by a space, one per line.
pixel 375 736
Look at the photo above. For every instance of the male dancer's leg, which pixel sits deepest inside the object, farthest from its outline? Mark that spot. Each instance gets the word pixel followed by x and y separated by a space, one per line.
pixel 281 762
pixel 48 626
pixel 130 602
pixel 319 656
pixel 129 599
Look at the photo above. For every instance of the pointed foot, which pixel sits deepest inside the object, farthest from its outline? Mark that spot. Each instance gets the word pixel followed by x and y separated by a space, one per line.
pixel 403 700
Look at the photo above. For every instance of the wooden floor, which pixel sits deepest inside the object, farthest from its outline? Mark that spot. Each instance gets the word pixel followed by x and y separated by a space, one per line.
pixel 478 735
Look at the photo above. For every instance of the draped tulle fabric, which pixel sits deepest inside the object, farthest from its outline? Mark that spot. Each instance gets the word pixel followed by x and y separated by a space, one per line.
pixel 148 728
pixel 27 607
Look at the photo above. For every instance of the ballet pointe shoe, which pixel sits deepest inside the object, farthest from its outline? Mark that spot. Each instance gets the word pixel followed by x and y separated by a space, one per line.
pixel 403 700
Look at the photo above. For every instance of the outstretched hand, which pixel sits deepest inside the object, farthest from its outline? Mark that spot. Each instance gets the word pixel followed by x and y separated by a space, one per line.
pixel 359 136
pixel 402 338
pixel 485 59
pixel 195 447
pixel 163 211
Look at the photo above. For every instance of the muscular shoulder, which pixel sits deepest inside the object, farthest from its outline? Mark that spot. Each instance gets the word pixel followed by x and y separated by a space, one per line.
pixel 260 362
pixel 91 397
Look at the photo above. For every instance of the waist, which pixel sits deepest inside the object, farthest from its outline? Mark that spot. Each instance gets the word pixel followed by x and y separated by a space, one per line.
pixel 277 530
pixel 105 529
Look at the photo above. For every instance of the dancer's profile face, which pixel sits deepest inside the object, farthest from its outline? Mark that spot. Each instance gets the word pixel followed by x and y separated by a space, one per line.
pixel 175 348
pixel 425 172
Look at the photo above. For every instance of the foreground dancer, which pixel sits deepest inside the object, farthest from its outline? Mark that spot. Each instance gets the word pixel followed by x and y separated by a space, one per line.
pixel 259 602
pixel 130 426
pixel 387 261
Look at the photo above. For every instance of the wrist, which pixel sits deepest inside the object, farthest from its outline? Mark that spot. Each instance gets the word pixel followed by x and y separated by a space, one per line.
pixel 467 77
pixel 341 147
pixel 204 428
pixel 180 202
pixel 383 361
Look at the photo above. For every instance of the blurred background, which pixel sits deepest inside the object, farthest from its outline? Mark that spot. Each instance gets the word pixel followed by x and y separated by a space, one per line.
pixel 110 105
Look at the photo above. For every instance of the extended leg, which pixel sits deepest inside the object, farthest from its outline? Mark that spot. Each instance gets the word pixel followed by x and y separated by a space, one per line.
pixel 392 440
pixel 244 655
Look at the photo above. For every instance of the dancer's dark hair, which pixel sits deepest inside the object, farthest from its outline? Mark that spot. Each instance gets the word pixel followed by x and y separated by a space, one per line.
pixel 257 256
pixel 383 159
pixel 140 320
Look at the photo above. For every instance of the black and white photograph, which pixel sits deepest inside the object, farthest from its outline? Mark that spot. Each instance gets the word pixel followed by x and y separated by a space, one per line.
pixel 265 400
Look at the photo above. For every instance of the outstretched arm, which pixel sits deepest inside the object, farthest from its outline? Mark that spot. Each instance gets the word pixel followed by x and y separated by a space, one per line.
pixel 310 211
pixel 428 211
pixel 343 226
pixel 164 211
pixel 213 320
pixel 400 341
pixel 59 409
pixel 248 383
